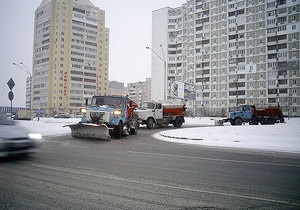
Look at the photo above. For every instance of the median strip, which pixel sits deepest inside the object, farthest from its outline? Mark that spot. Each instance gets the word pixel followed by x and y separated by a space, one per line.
pixel 176 137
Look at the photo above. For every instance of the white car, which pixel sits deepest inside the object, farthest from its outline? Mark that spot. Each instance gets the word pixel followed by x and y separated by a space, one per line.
pixel 14 139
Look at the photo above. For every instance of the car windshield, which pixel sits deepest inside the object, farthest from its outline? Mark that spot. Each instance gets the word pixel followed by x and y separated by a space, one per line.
pixel 107 101
pixel 147 105
pixel 5 121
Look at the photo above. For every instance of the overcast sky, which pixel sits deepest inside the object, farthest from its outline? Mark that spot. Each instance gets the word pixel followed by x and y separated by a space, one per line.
pixel 129 21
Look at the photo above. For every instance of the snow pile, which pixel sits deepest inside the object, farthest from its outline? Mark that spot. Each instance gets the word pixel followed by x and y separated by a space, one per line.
pixel 49 126
pixel 283 137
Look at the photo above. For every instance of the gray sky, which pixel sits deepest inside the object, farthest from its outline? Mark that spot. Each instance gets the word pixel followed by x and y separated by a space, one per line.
pixel 129 21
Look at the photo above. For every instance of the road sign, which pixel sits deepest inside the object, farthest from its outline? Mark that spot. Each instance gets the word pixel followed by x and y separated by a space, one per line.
pixel 11 84
pixel 10 95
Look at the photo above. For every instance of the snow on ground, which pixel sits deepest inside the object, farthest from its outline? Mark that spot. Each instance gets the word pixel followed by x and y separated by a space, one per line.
pixel 283 137
pixel 49 126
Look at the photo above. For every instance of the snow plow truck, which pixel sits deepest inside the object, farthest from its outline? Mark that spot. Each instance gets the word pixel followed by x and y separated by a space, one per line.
pixel 253 115
pixel 106 116
pixel 161 113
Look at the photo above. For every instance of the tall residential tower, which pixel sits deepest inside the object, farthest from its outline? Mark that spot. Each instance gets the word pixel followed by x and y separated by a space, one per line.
pixel 232 51
pixel 70 57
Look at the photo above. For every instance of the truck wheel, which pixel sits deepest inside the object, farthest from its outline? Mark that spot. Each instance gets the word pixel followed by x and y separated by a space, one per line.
pixel 150 123
pixel 119 130
pixel 271 121
pixel 178 122
pixel 238 121
pixel 134 131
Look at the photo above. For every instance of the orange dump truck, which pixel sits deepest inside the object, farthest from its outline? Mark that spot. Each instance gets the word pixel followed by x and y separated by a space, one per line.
pixel 161 113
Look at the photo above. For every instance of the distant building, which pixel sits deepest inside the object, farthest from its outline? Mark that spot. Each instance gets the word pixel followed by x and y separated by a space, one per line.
pixel 8 109
pixel 232 52
pixel 70 55
pixel 140 91
pixel 116 88
pixel 28 95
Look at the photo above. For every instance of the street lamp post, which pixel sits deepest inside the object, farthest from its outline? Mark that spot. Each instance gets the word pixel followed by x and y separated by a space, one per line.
pixel 165 66
pixel 25 69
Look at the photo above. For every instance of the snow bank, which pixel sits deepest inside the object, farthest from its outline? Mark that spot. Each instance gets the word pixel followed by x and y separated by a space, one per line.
pixel 283 137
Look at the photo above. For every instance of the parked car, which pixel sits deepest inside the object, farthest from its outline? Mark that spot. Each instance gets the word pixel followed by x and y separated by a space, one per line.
pixel 14 139
pixel 62 115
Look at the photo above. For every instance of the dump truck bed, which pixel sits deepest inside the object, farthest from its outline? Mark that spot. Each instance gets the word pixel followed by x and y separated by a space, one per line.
pixel 173 108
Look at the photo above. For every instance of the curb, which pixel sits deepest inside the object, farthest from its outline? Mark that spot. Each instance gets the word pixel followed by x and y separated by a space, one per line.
pixel 185 138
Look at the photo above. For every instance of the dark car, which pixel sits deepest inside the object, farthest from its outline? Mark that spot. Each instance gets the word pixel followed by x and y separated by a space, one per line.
pixel 14 139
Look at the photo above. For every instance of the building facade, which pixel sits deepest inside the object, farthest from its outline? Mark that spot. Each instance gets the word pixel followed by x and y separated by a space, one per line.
pixel 28 92
pixel 233 52
pixel 70 55
pixel 139 91
pixel 116 88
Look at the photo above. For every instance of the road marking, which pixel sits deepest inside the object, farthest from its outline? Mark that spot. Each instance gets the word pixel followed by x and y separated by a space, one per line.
pixel 69 170
pixel 215 159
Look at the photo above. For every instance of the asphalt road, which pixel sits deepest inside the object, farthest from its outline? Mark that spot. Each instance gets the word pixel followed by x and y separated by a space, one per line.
pixel 139 172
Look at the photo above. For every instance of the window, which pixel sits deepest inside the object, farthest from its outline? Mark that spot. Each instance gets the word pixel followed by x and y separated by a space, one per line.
pixel 282 82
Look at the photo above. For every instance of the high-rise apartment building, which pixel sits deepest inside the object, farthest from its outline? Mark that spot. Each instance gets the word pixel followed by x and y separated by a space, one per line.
pixel 233 52
pixel 116 88
pixel 139 91
pixel 70 57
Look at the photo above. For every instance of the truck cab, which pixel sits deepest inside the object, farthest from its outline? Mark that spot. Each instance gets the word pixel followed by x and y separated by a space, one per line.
pixel 149 113
pixel 154 109
pixel 244 111
pixel 113 112
pixel 109 110
pixel 161 113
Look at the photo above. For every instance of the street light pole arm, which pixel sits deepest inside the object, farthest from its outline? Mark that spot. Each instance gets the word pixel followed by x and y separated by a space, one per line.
pixel 23 68
pixel 163 60
pixel 26 69
pixel 162 49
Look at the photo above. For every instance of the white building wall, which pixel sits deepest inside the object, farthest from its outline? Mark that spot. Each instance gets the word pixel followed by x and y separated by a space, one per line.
pixel 159 46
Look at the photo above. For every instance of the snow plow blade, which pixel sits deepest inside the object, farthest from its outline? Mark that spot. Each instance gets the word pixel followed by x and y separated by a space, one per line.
pixel 91 131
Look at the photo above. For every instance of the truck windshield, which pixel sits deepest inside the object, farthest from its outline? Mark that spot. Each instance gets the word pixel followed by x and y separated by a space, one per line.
pixel 112 102
pixel 243 108
pixel 147 105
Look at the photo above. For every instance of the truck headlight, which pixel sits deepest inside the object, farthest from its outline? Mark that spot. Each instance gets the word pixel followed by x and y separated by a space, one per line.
pixel 83 110
pixel 117 112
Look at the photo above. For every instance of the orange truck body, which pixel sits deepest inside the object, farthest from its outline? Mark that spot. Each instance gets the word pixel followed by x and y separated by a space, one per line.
pixel 174 110
pixel 270 112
